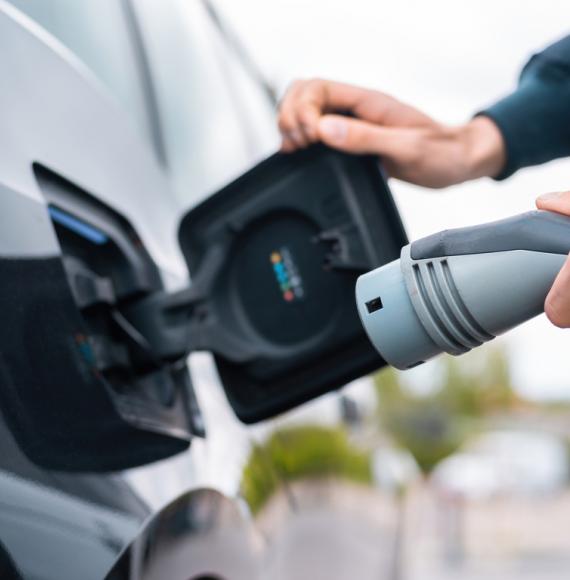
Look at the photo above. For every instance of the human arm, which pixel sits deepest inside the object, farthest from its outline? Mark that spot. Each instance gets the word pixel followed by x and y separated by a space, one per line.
pixel 528 127
pixel 414 147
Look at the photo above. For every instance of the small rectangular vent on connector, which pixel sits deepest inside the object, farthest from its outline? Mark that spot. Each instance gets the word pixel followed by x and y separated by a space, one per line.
pixel 374 305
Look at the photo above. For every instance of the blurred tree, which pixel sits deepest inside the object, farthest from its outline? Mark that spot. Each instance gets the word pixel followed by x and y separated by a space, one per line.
pixel 433 426
pixel 478 384
pixel 301 452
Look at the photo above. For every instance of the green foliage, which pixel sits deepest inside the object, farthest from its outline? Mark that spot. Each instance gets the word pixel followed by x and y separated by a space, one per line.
pixel 428 432
pixel 434 426
pixel 259 480
pixel 478 385
pixel 301 452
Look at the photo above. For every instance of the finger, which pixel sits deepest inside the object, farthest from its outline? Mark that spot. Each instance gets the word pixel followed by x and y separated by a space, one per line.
pixel 287 122
pixel 557 304
pixel 316 97
pixel 558 202
pixel 366 104
pixel 295 137
pixel 306 101
pixel 332 96
pixel 298 138
pixel 287 146
pixel 308 113
pixel 355 136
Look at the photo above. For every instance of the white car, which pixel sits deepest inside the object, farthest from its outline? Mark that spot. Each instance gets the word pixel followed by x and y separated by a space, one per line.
pixel 117 118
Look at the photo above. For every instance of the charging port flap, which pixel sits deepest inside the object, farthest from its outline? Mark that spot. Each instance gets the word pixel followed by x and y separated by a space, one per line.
pixel 274 257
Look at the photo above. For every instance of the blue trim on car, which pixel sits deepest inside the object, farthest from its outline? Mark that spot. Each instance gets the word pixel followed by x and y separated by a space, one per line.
pixel 77 226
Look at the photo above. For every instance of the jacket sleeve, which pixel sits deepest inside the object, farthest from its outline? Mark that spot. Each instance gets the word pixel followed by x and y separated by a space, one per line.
pixel 535 119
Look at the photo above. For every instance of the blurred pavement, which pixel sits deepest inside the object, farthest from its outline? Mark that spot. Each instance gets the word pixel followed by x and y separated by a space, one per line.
pixel 346 531
pixel 507 538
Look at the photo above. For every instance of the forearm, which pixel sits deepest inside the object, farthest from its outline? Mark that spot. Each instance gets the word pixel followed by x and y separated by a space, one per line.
pixel 535 119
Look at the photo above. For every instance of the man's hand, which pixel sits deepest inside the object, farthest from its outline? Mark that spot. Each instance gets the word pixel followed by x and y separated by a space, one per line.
pixel 557 305
pixel 413 146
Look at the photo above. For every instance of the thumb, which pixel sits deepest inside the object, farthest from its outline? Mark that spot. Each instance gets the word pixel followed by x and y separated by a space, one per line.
pixel 557 305
pixel 558 202
pixel 355 136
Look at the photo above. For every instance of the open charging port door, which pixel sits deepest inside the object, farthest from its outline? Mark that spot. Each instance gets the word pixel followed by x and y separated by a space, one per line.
pixel 274 258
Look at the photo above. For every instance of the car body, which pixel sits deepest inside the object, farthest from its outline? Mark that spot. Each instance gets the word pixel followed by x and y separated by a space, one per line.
pixel 141 111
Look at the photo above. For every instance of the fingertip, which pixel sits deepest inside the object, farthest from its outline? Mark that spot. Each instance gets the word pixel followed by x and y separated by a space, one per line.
pixel 547 198
pixel 310 132
pixel 308 122
pixel 557 201
pixel 297 137
pixel 287 146
pixel 284 123
pixel 557 303
pixel 555 314
pixel 292 141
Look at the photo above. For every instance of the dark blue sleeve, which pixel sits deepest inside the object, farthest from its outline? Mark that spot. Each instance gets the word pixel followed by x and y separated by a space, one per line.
pixel 535 119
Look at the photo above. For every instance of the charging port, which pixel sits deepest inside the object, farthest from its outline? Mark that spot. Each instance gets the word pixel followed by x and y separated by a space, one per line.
pixel 374 305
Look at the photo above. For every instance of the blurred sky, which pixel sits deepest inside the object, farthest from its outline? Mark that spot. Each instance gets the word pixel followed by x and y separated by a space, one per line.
pixel 449 58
